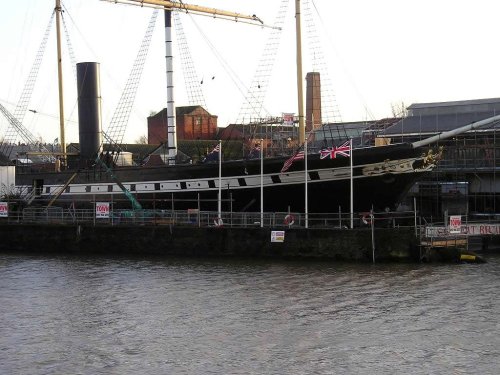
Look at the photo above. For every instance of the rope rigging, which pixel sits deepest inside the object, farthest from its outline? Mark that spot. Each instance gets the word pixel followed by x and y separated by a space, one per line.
pixel 192 83
pixel 330 112
pixel 225 65
pixel 253 103
pixel 72 59
pixel 254 99
pixel 71 52
pixel 15 126
pixel 346 72
pixel 118 125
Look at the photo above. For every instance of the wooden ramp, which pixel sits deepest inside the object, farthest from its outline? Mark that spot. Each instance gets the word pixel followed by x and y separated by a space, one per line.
pixel 444 242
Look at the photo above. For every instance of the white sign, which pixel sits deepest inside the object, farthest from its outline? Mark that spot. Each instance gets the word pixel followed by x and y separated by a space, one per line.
pixel 102 210
pixel 455 223
pixel 470 229
pixel 288 118
pixel 277 236
pixel 4 209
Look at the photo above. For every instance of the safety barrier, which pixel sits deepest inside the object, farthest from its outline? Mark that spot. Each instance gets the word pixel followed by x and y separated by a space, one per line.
pixel 68 216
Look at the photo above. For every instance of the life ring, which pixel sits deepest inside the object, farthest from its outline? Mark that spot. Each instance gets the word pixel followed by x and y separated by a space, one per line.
pixel 289 220
pixel 218 222
pixel 366 218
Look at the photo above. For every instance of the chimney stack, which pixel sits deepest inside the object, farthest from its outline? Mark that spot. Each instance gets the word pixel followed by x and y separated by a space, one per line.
pixel 313 101
pixel 89 109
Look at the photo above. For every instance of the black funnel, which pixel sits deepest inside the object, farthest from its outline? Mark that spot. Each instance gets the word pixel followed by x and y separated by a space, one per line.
pixel 89 109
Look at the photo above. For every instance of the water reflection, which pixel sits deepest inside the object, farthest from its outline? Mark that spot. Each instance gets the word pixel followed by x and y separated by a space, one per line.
pixel 157 316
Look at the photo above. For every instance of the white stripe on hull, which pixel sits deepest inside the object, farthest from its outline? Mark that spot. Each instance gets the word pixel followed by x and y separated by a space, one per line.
pixel 403 166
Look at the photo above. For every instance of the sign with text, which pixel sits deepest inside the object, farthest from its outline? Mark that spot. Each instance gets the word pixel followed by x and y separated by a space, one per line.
pixel 455 223
pixel 102 210
pixel 481 229
pixel 476 229
pixel 4 209
pixel 288 118
pixel 277 236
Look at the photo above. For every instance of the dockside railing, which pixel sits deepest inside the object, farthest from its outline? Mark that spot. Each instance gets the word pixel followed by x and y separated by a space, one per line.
pixel 196 218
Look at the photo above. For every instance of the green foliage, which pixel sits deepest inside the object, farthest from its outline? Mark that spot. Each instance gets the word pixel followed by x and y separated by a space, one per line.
pixel 197 149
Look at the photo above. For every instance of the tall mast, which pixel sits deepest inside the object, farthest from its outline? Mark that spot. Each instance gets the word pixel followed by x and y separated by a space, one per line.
pixel 300 91
pixel 62 141
pixel 168 7
pixel 171 126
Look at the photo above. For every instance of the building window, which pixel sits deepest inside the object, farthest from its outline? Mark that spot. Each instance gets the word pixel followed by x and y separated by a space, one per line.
pixel 197 121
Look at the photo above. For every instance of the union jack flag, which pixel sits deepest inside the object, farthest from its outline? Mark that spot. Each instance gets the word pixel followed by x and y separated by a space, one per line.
pixel 333 152
pixel 299 155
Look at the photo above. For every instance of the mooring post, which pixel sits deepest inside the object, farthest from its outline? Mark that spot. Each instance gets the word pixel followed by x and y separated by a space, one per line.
pixel 373 234
pixel 415 214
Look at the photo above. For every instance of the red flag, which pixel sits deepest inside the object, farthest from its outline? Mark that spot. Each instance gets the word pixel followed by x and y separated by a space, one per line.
pixel 299 155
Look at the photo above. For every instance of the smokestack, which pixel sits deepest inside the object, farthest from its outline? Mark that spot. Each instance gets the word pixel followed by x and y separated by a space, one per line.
pixel 313 101
pixel 89 109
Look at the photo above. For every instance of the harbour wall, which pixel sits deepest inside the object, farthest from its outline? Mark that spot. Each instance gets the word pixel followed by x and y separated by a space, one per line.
pixel 394 244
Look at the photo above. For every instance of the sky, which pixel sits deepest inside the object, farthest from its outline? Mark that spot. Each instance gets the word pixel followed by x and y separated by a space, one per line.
pixel 378 54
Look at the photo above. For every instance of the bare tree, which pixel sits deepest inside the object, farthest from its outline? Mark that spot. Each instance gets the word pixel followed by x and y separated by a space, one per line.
pixel 399 109
pixel 142 140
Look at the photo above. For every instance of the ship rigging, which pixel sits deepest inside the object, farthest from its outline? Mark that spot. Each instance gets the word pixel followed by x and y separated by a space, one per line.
pixel 246 183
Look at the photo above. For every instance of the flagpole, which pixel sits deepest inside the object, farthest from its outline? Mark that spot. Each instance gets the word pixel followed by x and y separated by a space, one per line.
pixel 352 194
pixel 261 183
pixel 305 177
pixel 219 204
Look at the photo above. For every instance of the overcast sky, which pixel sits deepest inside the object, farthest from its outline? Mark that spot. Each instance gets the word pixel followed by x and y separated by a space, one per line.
pixel 378 53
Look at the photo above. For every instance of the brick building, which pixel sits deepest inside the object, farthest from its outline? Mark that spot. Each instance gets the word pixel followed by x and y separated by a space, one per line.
pixel 192 122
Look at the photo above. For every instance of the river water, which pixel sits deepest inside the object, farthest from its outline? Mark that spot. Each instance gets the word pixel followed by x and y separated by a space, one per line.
pixel 77 315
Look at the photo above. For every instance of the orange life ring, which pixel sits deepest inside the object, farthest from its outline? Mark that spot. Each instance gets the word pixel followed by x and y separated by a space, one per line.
pixel 218 222
pixel 366 218
pixel 289 220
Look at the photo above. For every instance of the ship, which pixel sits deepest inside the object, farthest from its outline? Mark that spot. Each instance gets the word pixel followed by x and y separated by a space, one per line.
pixel 360 179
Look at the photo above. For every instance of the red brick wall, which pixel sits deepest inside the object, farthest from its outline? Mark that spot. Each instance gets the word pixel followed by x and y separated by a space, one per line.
pixel 198 124
pixel 157 128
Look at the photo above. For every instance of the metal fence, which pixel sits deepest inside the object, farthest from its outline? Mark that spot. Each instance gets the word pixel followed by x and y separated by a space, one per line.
pixel 65 216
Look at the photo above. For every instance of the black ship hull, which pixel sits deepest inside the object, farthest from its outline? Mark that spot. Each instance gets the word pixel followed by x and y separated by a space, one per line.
pixel 380 175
